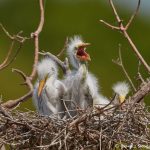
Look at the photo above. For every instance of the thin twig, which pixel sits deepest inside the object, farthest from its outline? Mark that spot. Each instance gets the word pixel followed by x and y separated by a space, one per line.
pixel 133 16
pixel 63 65
pixel 119 62
pixel 63 49
pixel 139 74
pixel 11 104
pixel 123 29
pixel 7 63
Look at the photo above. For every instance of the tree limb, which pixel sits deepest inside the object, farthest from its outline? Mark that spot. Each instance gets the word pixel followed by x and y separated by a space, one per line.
pixel 123 29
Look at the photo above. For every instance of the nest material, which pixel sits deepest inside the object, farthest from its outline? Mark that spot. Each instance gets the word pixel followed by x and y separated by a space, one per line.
pixel 124 127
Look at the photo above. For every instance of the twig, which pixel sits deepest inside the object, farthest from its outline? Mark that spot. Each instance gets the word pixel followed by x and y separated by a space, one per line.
pixel 63 65
pixel 6 63
pixel 119 62
pixel 36 39
pixel 63 49
pixel 16 37
pixel 123 29
pixel 11 104
pixel 141 93
pixel 7 56
pixel 133 16
pixel 139 76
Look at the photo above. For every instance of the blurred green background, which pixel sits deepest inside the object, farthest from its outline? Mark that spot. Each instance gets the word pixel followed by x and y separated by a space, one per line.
pixel 67 18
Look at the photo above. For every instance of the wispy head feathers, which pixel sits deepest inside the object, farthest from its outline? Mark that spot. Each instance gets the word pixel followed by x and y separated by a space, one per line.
pixel 73 43
pixel 46 67
pixel 121 88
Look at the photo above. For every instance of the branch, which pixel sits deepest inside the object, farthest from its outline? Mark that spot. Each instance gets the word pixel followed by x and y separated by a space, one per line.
pixel 36 39
pixel 7 62
pixel 63 49
pixel 64 65
pixel 7 56
pixel 13 38
pixel 141 93
pixel 119 62
pixel 134 15
pixel 123 29
pixel 11 104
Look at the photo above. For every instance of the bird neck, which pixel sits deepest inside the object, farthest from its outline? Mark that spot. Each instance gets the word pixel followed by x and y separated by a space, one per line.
pixel 84 72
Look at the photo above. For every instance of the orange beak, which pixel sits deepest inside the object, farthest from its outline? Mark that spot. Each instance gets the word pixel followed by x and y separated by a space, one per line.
pixel 41 85
pixel 81 54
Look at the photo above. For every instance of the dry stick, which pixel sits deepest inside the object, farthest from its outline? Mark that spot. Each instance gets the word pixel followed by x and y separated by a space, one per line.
pixel 123 29
pixel 64 65
pixel 10 104
pixel 120 63
pixel 16 37
pixel 7 63
pixel 6 32
pixel 141 93
pixel 36 39
pixel 63 49
pixel 8 55
pixel 139 74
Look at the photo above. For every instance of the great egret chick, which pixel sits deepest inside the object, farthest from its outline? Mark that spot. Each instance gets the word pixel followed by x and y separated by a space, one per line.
pixel 82 86
pixel 48 91
pixel 121 89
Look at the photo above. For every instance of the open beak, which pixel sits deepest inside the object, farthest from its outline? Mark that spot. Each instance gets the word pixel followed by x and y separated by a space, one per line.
pixel 81 54
pixel 41 85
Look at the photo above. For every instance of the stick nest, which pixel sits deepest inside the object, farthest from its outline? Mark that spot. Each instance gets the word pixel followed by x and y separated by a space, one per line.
pixel 123 127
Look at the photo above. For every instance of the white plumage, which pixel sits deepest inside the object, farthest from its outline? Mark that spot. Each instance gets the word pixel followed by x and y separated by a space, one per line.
pixel 82 86
pixel 121 89
pixel 101 101
pixel 48 91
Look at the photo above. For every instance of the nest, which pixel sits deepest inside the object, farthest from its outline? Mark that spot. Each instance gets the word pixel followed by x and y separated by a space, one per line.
pixel 120 127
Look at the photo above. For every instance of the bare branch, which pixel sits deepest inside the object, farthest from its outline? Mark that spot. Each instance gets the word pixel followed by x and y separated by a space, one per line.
pixel 36 39
pixel 63 49
pixel 7 62
pixel 6 32
pixel 11 104
pixel 119 62
pixel 133 16
pixel 139 76
pixel 109 25
pixel 7 56
pixel 123 29
pixel 141 93
pixel 63 65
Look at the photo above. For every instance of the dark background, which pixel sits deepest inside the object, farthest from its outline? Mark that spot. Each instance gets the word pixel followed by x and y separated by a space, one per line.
pixel 67 18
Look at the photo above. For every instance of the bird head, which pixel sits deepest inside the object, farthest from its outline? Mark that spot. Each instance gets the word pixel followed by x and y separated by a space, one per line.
pixel 46 69
pixel 81 53
pixel 121 89
pixel 76 50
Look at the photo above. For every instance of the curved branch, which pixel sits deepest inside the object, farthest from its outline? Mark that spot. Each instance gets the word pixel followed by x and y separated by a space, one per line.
pixel 7 56
pixel 134 15
pixel 123 29
pixel 63 65
pixel 141 93
pixel 36 39
pixel 11 104
pixel 6 63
